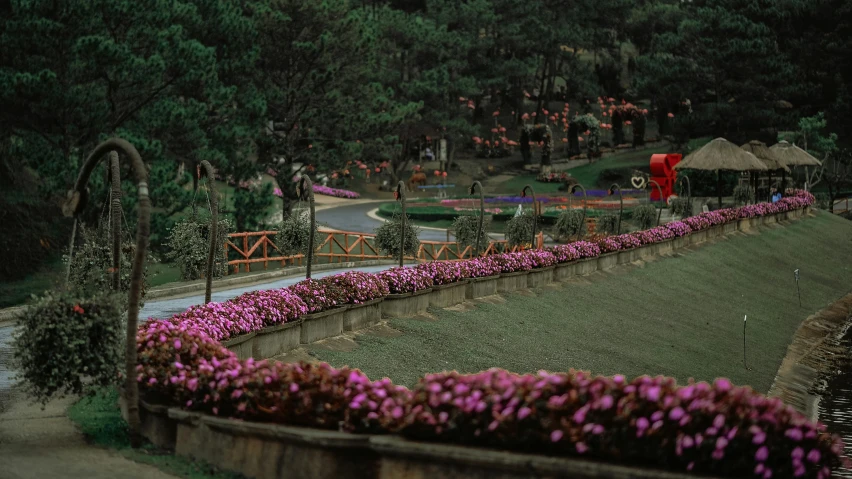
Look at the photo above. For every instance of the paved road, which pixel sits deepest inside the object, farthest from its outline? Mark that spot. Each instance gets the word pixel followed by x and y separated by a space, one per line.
pixel 354 218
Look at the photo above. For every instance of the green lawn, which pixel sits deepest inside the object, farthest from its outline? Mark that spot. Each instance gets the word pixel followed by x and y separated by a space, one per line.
pixel 680 316
pixel 99 418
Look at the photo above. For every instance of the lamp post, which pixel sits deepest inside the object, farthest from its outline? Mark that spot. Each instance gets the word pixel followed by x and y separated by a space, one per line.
pixel 472 191
pixel 74 205
pixel 585 205
pixel 612 190
pixel 214 228
pixel 400 196
pixel 535 216
pixel 660 209
pixel 305 192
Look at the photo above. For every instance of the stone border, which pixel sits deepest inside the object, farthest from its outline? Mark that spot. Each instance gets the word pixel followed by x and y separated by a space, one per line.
pixel 271 451
pixel 363 315
pixel 406 305
pixel 450 294
pixel 481 287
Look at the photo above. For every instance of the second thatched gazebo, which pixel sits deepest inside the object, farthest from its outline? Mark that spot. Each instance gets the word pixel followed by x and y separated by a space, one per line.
pixel 721 155
pixel 793 156
pixel 765 155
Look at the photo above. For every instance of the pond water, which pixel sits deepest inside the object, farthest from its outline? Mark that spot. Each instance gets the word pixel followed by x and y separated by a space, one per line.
pixel 835 405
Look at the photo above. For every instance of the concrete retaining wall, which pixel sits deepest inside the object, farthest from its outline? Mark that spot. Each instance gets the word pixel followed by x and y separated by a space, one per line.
pixel 481 287
pixel 447 295
pixel 359 316
pixel 406 305
pixel 322 325
pixel 509 282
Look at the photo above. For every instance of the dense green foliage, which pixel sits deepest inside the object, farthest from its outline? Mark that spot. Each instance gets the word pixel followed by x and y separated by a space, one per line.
pixel 389 238
pixel 607 224
pixel 519 230
pixel 295 87
pixel 466 228
pixel 69 344
pixel 294 235
pixel 189 246
pixel 645 216
pixel 569 223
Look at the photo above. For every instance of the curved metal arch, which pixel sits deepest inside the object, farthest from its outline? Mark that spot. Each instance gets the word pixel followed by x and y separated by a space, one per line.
pixel 305 192
pixel 400 196
pixel 660 209
pixel 214 228
pixel 472 190
pixel 613 188
pixel 535 216
pixel 585 205
pixel 680 179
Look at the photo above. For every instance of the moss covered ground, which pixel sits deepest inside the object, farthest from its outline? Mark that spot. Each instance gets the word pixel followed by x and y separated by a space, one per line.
pixel 679 316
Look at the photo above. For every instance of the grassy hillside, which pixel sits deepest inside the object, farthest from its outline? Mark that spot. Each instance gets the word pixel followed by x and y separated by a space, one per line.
pixel 680 316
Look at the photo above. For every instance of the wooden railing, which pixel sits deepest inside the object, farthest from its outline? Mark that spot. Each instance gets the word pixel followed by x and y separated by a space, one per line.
pixel 245 249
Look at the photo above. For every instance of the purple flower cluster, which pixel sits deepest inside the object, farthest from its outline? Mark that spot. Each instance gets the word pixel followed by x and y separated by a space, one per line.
pixel 609 244
pixel 565 253
pixel 359 287
pixel 523 260
pixel 697 223
pixel 586 249
pixel 678 228
pixel 541 258
pixel 325 190
pixel 406 280
pixel 482 267
pixel 319 295
pixel 654 235
pixel 629 241
pixel 445 272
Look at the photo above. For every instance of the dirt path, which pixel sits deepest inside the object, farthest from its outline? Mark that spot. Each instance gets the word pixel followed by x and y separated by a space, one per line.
pixel 45 444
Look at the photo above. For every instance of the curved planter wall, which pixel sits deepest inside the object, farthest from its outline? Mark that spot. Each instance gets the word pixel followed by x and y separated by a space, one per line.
pixel 446 295
pixel 242 345
pixel 509 282
pixel 540 277
pixel 276 340
pixel 406 305
pixel 322 325
pixel 607 261
pixel 481 287
pixel 271 451
pixel 358 316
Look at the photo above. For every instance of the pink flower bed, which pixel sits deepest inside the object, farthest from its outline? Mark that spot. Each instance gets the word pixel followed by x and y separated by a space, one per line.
pixel 716 429
pixel 325 190
pixel 406 280
pixel 445 272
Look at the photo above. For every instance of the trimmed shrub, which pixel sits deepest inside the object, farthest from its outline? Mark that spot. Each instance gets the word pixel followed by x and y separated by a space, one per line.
pixel 519 230
pixel 645 216
pixel 388 239
pixel 189 244
pixel 607 224
pixel 569 223
pixel 70 344
pixel 466 228
pixel 294 233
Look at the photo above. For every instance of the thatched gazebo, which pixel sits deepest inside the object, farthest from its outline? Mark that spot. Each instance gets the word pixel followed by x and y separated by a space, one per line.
pixel 792 156
pixel 765 155
pixel 721 155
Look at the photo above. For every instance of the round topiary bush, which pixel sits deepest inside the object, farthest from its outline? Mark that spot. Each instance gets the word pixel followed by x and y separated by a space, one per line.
pixel 70 344
pixel 607 224
pixel 519 230
pixel 189 244
pixel 466 228
pixel 388 239
pixel 293 235
pixel 645 216
pixel 569 223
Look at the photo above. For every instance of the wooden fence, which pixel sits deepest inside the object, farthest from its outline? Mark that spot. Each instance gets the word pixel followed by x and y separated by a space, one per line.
pixel 245 249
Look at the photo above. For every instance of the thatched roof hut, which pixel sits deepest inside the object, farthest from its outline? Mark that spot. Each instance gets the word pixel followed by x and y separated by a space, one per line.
pixel 764 154
pixel 718 155
pixel 792 155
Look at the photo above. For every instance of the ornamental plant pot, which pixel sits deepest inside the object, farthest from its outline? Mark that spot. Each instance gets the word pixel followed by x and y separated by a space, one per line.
pixel 697 237
pixel 271 451
pixel 359 316
pixel 156 425
pixel 565 271
pixel 446 295
pixel 242 345
pixel 512 281
pixel 680 242
pixel 399 457
pixel 587 265
pixel 322 325
pixel 539 277
pixel 607 261
pixel 406 305
pixel 729 227
pixel 278 339
pixel 481 287
pixel 629 255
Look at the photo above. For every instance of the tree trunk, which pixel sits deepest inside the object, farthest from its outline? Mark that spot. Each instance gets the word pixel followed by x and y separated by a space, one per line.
pixel 115 218
pixel 214 230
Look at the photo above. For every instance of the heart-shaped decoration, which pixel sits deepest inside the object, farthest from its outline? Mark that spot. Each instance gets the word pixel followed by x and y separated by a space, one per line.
pixel 638 182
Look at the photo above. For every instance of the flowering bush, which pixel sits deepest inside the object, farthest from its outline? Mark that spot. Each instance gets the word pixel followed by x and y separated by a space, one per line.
pixel 540 258
pixel 697 223
pixel 609 244
pixel 586 249
pixel 565 253
pixel 654 235
pixel 406 280
pixel 325 190
pixel 359 287
pixel 319 295
pixel 510 262
pixel 272 306
pixel 629 241
pixel 445 272
pixel 715 428
pixel 678 228
pixel 482 267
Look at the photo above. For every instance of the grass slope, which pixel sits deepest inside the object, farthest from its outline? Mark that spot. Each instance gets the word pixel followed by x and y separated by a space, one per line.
pixel 680 316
